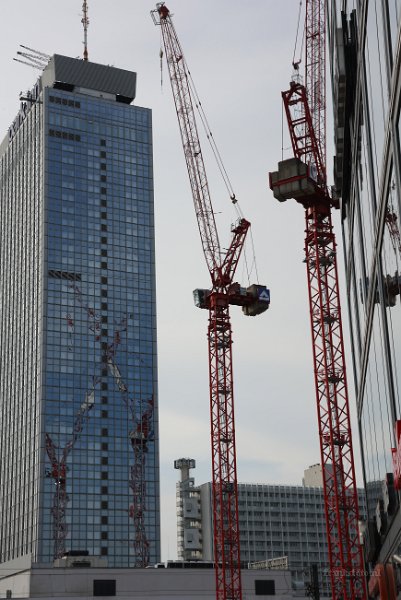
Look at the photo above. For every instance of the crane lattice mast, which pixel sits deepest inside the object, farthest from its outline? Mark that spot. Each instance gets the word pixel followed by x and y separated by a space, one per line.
pixel 224 292
pixel 304 178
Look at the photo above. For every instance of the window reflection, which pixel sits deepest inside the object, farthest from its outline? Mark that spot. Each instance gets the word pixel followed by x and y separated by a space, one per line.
pixel 100 238
pixel 376 422
pixel 391 261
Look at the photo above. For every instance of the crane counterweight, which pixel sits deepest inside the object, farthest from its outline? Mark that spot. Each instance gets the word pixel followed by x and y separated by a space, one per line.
pixel 295 179
pixel 254 299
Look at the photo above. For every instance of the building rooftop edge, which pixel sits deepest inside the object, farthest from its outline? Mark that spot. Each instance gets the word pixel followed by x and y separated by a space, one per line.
pixel 85 74
pixel 281 485
pixel 69 74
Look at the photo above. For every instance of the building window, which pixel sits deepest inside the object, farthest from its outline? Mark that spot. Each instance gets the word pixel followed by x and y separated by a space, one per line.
pixel 104 587
pixel 265 587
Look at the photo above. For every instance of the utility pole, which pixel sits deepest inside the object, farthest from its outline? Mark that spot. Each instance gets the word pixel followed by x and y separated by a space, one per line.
pixel 312 588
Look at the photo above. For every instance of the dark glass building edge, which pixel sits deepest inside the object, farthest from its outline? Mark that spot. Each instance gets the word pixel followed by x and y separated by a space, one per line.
pixel 365 66
pixel 98 374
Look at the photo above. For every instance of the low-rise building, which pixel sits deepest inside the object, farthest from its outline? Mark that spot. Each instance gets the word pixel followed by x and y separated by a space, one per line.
pixel 176 580
pixel 274 521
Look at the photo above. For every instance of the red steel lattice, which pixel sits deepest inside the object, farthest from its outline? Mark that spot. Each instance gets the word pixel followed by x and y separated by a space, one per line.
pixel 305 108
pixel 339 483
pixel 224 471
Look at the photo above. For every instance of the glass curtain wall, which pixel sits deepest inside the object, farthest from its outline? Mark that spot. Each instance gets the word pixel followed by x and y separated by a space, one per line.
pixel 370 118
pixel 100 353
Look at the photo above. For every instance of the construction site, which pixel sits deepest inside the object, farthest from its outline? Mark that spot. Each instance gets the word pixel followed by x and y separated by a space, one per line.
pixel 104 382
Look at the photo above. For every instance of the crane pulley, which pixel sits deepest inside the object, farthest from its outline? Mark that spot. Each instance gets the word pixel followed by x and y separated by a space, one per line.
pixel 224 291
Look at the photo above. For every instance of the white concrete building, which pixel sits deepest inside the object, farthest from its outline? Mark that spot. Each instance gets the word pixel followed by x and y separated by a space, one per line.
pixel 313 476
pixel 274 521
pixel 22 580
pixel 189 520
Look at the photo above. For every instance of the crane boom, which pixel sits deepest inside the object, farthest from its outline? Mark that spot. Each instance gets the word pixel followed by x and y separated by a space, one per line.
pixel 178 73
pixel 304 178
pixel 254 300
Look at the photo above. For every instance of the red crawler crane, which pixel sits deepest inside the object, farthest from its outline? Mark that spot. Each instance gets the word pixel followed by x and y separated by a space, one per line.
pixel 304 178
pixel 224 292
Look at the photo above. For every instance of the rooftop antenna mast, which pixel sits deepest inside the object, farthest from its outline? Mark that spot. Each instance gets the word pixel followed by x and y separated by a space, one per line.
pixel 85 23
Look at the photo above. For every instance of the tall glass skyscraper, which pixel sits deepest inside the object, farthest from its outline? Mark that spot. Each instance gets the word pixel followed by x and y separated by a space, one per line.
pixel 79 466
pixel 365 54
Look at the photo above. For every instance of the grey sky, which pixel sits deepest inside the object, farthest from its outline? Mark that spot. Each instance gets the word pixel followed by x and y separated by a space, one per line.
pixel 240 57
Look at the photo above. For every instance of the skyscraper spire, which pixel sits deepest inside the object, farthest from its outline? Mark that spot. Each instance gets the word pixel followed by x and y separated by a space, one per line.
pixel 85 23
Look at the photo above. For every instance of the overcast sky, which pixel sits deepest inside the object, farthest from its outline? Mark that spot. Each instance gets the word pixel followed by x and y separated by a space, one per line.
pixel 240 55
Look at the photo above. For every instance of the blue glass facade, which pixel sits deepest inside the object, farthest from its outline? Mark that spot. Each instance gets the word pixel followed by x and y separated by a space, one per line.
pixel 98 483
pixel 365 57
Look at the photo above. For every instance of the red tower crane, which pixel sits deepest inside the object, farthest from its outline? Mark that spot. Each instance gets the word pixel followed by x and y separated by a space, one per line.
pixel 304 179
pixel 254 300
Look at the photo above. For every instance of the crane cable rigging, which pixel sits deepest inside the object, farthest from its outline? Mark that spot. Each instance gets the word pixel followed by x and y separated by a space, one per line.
pixel 161 54
pixel 223 171
pixel 218 158
pixel 295 73
pixel 296 63
pixel 212 143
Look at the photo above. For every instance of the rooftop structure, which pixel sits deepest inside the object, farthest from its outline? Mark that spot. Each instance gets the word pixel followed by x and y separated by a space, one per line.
pixel 169 583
